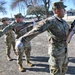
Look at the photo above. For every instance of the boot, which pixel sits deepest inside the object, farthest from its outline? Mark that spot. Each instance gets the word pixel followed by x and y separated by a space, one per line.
pixel 8 58
pixel 29 63
pixel 21 69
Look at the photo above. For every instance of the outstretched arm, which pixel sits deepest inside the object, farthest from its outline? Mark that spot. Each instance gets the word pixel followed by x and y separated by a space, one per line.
pixel 41 27
pixel 30 35
pixel 6 29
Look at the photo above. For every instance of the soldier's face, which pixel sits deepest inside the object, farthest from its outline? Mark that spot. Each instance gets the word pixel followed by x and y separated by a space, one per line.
pixel 19 19
pixel 61 12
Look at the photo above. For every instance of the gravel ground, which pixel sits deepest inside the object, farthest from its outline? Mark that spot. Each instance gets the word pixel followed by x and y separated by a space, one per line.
pixel 39 57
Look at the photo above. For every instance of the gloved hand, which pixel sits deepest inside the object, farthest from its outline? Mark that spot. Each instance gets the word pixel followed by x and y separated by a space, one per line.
pixel 1 33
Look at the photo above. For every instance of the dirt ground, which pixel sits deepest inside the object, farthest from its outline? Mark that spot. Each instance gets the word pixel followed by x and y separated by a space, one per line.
pixel 39 57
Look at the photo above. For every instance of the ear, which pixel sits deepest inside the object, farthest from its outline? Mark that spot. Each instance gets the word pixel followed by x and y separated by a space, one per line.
pixel 57 11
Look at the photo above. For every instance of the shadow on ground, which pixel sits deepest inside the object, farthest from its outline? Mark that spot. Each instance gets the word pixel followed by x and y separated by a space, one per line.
pixel 71 69
pixel 40 66
pixel 39 58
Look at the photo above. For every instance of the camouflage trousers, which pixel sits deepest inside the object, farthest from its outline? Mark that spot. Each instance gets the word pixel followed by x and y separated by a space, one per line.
pixel 8 46
pixel 21 48
pixel 58 64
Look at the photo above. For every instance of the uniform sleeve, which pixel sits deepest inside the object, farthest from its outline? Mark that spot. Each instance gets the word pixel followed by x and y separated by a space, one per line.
pixel 40 27
pixel 7 28
pixel 46 25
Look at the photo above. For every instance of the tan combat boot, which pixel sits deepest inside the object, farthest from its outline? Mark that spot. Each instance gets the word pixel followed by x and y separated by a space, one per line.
pixel 28 63
pixel 8 58
pixel 21 69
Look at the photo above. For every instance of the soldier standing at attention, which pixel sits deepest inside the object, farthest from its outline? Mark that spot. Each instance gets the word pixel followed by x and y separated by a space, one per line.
pixel 9 38
pixel 58 30
pixel 20 28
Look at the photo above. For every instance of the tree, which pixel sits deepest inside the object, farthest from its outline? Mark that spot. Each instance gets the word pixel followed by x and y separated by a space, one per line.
pixel 47 6
pixel 37 10
pixel 19 3
pixel 2 8
pixel 34 3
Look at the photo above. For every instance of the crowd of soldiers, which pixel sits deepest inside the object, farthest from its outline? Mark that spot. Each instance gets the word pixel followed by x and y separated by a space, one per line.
pixel 59 37
pixel 18 27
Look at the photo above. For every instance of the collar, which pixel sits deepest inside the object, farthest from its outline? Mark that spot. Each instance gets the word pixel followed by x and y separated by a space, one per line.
pixel 57 17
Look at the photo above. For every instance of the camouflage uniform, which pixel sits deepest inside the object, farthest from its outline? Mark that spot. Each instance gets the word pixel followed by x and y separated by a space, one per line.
pixel 24 49
pixel 58 31
pixel 9 39
pixel 20 29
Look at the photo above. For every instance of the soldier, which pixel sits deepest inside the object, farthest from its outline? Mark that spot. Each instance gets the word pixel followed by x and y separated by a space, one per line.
pixel 20 28
pixel 58 30
pixel 9 38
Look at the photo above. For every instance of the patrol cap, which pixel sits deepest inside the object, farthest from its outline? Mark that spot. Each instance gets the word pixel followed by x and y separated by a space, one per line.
pixel 19 15
pixel 4 19
pixel 58 5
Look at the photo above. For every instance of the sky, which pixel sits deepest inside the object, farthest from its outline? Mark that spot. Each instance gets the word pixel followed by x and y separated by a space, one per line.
pixel 11 13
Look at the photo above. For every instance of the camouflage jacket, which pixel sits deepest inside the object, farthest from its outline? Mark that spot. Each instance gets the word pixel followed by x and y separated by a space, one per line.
pixel 57 31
